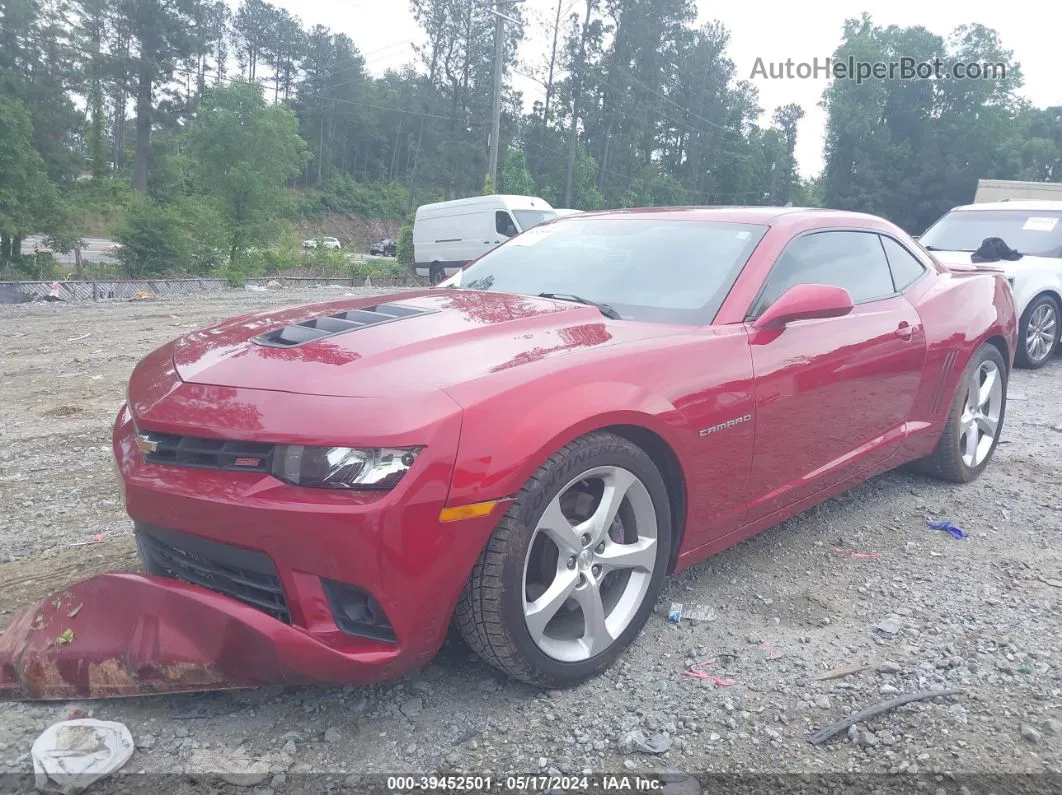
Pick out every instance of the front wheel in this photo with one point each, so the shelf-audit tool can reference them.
(974, 422)
(573, 569)
(1038, 332)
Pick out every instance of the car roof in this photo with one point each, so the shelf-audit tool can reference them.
(1020, 205)
(794, 217)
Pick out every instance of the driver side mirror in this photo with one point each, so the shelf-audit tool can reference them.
(805, 302)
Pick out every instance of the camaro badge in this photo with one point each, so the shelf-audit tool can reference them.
(728, 424)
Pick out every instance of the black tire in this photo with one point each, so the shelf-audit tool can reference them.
(945, 462)
(436, 273)
(490, 613)
(1023, 358)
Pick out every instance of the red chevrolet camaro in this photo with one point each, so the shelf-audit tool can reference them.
(320, 492)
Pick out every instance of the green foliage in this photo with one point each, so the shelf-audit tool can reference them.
(516, 179)
(912, 149)
(488, 186)
(404, 245)
(243, 152)
(155, 239)
(27, 198)
(341, 194)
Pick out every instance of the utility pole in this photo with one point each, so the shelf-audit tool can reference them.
(499, 48)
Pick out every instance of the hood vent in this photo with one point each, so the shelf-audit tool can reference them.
(328, 326)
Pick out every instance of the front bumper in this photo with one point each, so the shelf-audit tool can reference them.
(134, 634)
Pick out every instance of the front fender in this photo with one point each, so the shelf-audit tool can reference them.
(543, 421)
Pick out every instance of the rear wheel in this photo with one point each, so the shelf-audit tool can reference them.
(1038, 333)
(974, 422)
(571, 573)
(436, 273)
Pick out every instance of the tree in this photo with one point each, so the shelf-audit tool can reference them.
(165, 34)
(786, 119)
(244, 151)
(515, 176)
(27, 198)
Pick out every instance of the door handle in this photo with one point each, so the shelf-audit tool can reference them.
(904, 331)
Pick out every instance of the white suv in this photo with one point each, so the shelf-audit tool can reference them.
(1033, 228)
(325, 242)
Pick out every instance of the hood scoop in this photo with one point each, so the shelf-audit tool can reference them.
(320, 328)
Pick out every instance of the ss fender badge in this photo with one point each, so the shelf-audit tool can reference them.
(726, 425)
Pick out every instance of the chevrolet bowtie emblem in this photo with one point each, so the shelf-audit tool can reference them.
(146, 445)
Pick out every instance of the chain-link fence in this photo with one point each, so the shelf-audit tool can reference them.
(125, 289)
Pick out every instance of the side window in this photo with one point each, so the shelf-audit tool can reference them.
(852, 260)
(503, 223)
(906, 270)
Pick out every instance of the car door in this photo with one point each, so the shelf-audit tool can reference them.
(832, 396)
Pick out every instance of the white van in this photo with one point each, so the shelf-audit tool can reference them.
(447, 235)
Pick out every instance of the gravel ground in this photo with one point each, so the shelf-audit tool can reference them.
(858, 581)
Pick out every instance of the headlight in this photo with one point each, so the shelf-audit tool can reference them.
(342, 467)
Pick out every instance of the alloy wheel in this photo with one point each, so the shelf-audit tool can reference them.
(979, 423)
(1040, 332)
(589, 564)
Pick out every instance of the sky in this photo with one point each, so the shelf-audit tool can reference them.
(774, 30)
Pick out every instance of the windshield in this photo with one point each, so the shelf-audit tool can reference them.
(530, 218)
(645, 269)
(1034, 232)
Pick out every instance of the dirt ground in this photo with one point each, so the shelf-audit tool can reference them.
(859, 580)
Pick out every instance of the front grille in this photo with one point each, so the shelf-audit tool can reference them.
(328, 326)
(193, 451)
(246, 575)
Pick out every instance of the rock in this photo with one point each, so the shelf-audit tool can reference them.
(542, 762)
(289, 748)
(412, 707)
(889, 690)
(890, 626)
(755, 638)
(1054, 726)
(1030, 734)
(332, 735)
(147, 742)
(822, 701)
(630, 764)
(868, 739)
(889, 667)
(636, 741)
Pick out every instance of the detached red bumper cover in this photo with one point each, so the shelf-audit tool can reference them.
(122, 634)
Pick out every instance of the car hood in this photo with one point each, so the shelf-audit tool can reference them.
(460, 336)
(1011, 268)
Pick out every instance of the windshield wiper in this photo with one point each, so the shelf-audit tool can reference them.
(957, 250)
(604, 309)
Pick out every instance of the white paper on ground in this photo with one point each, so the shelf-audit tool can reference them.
(71, 755)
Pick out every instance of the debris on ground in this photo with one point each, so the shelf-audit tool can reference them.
(700, 671)
(1049, 581)
(832, 730)
(860, 555)
(255, 288)
(700, 613)
(843, 671)
(674, 615)
(71, 755)
(948, 527)
(636, 741)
